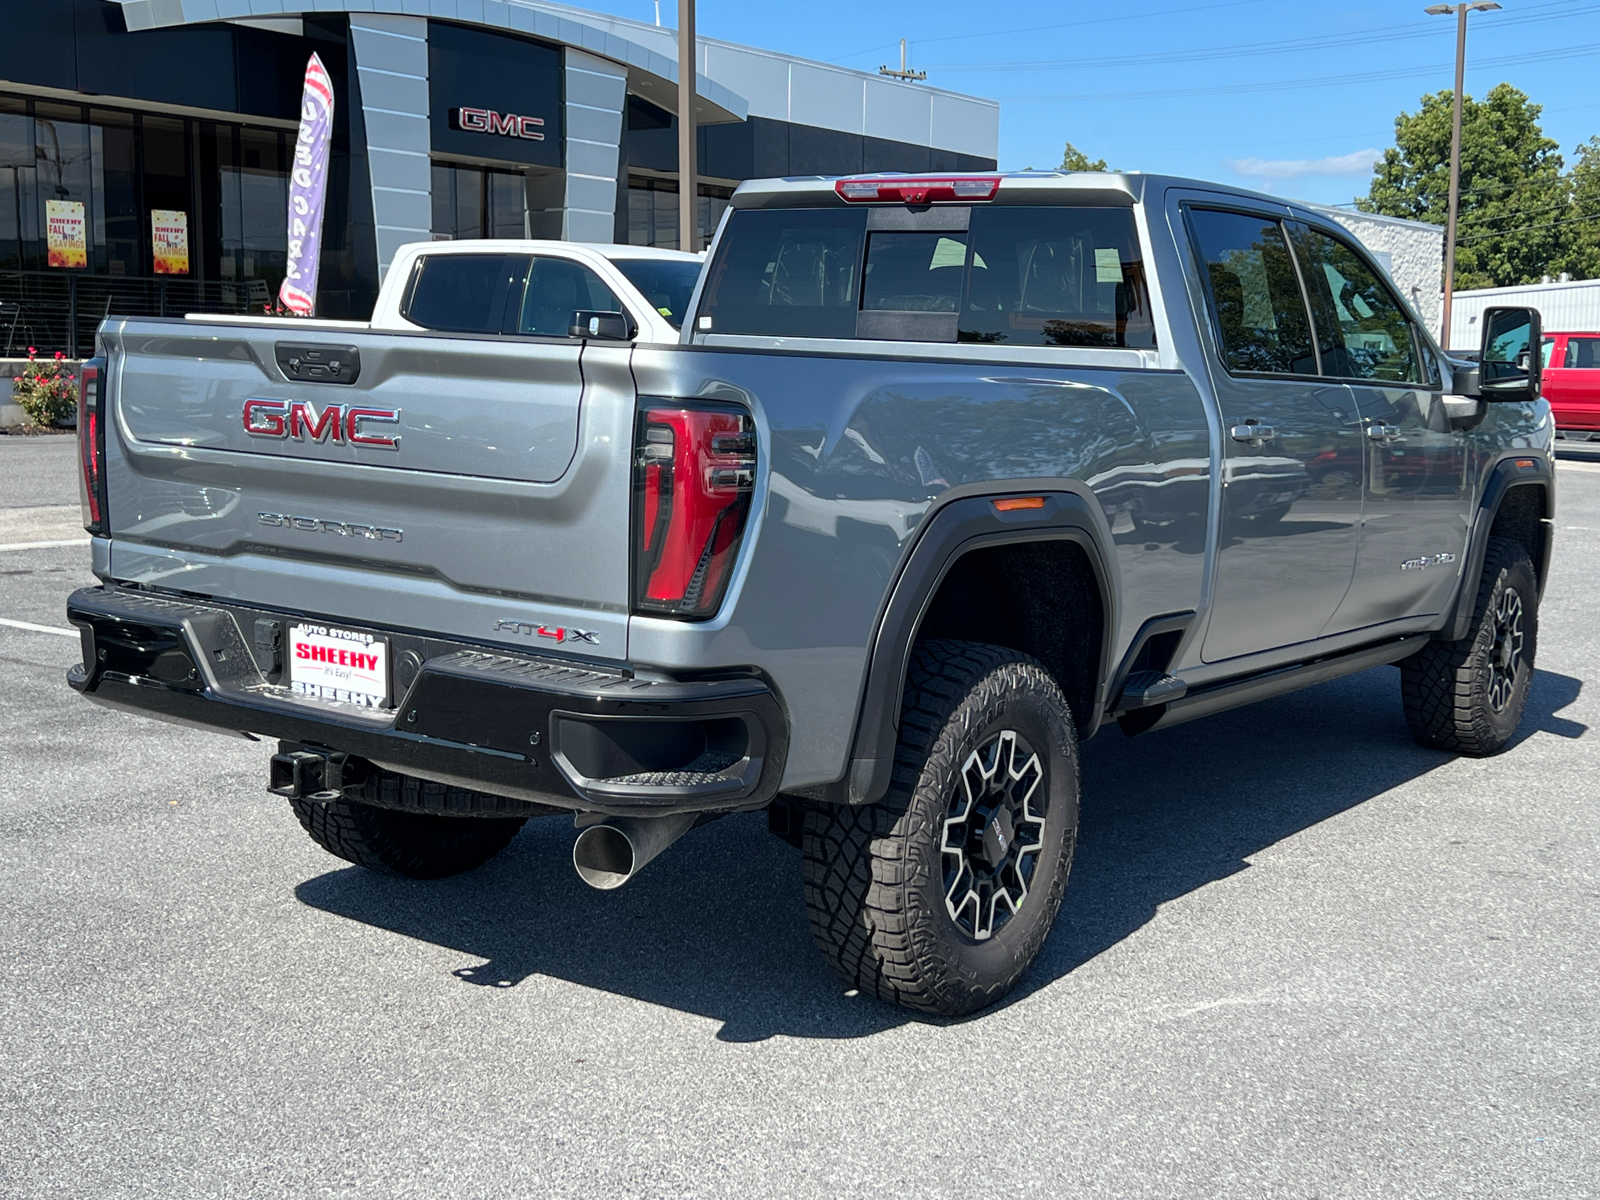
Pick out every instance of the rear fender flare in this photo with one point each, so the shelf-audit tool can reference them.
(966, 520)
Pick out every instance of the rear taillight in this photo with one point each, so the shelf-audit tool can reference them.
(694, 472)
(92, 447)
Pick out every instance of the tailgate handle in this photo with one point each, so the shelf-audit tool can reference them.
(317, 362)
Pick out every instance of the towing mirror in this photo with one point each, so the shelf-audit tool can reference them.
(611, 326)
(1510, 367)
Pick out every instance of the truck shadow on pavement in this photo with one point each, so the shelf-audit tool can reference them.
(717, 926)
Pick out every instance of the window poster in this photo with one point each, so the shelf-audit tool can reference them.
(66, 238)
(169, 239)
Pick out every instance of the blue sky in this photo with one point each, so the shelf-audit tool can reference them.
(1289, 96)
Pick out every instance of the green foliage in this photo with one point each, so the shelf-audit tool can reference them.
(1515, 222)
(47, 391)
(1073, 159)
(1583, 250)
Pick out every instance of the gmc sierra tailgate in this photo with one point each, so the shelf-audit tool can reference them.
(468, 487)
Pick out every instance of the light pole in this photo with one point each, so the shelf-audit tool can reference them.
(688, 232)
(1460, 11)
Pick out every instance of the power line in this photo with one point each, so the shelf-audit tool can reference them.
(1386, 34)
(1526, 229)
(1283, 85)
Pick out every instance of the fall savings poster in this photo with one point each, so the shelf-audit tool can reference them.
(169, 237)
(66, 239)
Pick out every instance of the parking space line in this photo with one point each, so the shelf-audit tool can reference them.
(32, 628)
(4, 546)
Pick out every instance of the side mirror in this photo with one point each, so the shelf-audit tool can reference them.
(609, 326)
(1510, 367)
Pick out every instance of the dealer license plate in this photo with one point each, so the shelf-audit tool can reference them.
(339, 664)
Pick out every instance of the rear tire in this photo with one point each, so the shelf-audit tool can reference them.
(1468, 696)
(941, 896)
(403, 833)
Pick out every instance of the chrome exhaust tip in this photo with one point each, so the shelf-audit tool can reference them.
(608, 854)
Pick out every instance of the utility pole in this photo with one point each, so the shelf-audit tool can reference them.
(1460, 11)
(902, 73)
(688, 166)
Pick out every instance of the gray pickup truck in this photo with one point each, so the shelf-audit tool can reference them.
(942, 475)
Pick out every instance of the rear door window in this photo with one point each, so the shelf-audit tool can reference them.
(786, 272)
(1583, 353)
(1254, 294)
(1056, 277)
(466, 293)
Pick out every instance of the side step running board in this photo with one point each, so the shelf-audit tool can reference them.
(1188, 704)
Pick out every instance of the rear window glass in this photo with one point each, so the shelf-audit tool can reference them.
(1026, 276)
(914, 272)
(787, 272)
(1056, 277)
(666, 284)
(466, 293)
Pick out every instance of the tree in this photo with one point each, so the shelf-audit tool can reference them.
(1582, 258)
(1512, 188)
(1073, 159)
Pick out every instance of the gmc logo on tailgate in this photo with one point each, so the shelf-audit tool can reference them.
(299, 419)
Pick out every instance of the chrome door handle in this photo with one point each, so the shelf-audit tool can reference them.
(1383, 434)
(1253, 434)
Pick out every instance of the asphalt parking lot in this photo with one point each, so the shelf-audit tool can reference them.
(1300, 957)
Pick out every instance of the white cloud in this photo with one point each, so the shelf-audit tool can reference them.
(1358, 163)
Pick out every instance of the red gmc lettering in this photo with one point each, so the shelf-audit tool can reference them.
(264, 418)
(300, 419)
(303, 416)
(352, 426)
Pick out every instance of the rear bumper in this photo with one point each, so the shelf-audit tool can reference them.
(555, 732)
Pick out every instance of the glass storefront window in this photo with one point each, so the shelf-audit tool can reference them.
(119, 235)
(109, 176)
(653, 211)
(254, 178)
(478, 202)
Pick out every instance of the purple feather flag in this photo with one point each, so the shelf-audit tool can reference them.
(308, 185)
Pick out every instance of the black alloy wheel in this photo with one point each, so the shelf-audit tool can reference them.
(1505, 652)
(993, 834)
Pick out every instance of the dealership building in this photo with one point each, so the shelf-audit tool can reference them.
(152, 140)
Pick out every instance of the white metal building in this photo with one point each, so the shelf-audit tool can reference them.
(1564, 307)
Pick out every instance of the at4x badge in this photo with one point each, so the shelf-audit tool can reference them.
(556, 633)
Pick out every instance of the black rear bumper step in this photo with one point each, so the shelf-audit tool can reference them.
(570, 735)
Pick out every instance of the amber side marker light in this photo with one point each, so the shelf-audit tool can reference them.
(1013, 503)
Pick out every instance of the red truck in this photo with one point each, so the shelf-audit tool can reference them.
(1572, 383)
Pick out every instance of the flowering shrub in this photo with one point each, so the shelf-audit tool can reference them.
(47, 391)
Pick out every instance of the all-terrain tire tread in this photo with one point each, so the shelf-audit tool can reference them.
(854, 856)
(1442, 687)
